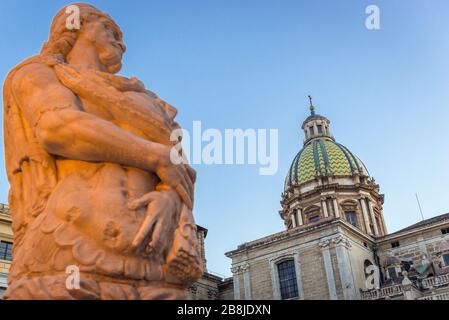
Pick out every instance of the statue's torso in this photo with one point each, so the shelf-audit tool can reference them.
(87, 222)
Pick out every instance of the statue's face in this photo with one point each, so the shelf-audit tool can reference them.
(106, 38)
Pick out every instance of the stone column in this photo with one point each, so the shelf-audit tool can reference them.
(324, 206)
(275, 281)
(246, 281)
(384, 226)
(373, 217)
(298, 276)
(336, 210)
(365, 215)
(299, 216)
(236, 282)
(342, 245)
(293, 218)
(315, 129)
(328, 269)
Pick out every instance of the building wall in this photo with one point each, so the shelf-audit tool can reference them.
(329, 261)
(206, 288)
(226, 289)
(5, 235)
(415, 245)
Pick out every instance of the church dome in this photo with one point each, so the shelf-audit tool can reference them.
(324, 157)
(321, 155)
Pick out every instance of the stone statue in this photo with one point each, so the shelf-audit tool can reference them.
(92, 186)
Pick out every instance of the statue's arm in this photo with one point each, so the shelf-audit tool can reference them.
(64, 129)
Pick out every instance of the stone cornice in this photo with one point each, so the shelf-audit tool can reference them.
(403, 234)
(334, 187)
(5, 219)
(298, 232)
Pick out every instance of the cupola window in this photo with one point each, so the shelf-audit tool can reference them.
(320, 129)
(351, 218)
(311, 131)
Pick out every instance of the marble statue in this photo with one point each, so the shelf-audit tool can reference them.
(92, 186)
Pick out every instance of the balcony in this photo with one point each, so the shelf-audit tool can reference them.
(440, 296)
(383, 293)
(435, 282)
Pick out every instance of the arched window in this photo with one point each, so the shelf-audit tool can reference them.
(288, 284)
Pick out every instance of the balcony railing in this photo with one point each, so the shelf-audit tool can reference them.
(441, 296)
(435, 282)
(382, 293)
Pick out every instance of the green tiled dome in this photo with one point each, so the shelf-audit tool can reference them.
(322, 157)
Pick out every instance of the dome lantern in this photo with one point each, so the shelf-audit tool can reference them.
(316, 126)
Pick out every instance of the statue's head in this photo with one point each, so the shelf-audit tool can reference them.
(95, 28)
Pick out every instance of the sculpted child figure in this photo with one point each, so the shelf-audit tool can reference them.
(92, 184)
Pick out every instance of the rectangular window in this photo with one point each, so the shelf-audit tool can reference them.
(287, 279)
(314, 219)
(445, 231)
(446, 259)
(2, 290)
(392, 273)
(320, 129)
(395, 244)
(5, 250)
(351, 218)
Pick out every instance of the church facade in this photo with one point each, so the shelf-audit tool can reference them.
(336, 245)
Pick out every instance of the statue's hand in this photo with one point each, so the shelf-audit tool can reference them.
(181, 177)
(160, 222)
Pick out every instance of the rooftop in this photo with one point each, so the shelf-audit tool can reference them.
(424, 223)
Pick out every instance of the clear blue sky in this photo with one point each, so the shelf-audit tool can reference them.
(251, 64)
